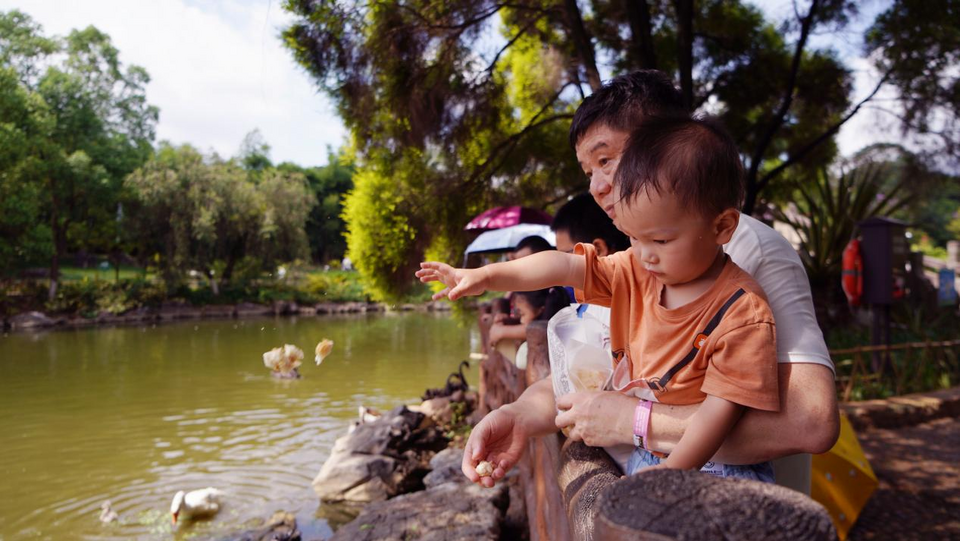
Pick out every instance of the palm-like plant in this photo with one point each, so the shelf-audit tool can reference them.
(825, 216)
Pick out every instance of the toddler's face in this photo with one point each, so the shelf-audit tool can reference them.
(676, 245)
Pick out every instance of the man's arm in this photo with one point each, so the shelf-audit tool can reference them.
(537, 271)
(502, 436)
(808, 420)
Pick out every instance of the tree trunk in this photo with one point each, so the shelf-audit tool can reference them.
(753, 173)
(644, 55)
(580, 38)
(58, 230)
(684, 9)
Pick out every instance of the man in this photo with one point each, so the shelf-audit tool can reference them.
(808, 420)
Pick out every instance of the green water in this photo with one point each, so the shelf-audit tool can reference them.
(133, 414)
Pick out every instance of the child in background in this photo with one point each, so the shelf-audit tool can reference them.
(687, 325)
(539, 305)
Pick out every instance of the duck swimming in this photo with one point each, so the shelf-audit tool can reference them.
(196, 503)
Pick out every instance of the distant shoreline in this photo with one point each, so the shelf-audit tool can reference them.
(182, 311)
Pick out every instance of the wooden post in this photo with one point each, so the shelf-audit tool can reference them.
(674, 504)
(545, 508)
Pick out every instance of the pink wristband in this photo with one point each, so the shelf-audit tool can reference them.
(641, 423)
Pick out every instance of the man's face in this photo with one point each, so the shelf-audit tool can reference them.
(598, 152)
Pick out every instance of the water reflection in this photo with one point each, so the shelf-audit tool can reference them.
(134, 414)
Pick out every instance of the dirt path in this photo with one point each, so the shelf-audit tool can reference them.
(919, 472)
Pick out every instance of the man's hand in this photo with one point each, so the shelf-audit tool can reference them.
(500, 438)
(459, 282)
(597, 418)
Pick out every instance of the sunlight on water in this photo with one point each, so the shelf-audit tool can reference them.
(133, 414)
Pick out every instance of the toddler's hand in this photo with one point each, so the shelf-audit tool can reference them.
(459, 282)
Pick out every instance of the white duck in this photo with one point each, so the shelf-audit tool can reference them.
(107, 515)
(196, 503)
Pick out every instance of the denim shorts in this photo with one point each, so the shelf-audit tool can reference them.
(763, 471)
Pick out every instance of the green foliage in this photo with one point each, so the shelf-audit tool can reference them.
(908, 371)
(380, 238)
(325, 227)
(335, 286)
(84, 124)
(446, 122)
(206, 214)
(825, 217)
(916, 43)
(90, 297)
(828, 211)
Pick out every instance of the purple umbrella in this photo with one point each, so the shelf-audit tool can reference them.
(500, 217)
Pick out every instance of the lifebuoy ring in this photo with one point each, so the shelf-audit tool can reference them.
(852, 276)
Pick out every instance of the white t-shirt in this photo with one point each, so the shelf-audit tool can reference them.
(773, 262)
(775, 265)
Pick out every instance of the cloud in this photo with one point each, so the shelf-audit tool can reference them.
(218, 70)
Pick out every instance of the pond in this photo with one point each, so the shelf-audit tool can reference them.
(133, 414)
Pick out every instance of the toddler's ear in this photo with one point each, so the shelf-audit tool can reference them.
(725, 224)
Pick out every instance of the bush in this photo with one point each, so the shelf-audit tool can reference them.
(335, 286)
(90, 297)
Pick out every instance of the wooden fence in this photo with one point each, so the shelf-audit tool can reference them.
(905, 368)
(571, 490)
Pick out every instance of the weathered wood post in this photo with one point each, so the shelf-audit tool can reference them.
(546, 512)
(672, 504)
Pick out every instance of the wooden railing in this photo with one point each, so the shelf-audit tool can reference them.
(572, 491)
(906, 368)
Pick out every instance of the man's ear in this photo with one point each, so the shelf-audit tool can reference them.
(725, 224)
(601, 245)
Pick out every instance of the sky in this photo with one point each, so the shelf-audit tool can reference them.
(218, 71)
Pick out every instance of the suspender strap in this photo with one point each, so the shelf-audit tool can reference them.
(711, 326)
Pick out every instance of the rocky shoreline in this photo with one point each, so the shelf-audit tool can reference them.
(398, 477)
(174, 311)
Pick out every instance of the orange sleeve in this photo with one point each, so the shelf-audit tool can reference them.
(742, 367)
(599, 275)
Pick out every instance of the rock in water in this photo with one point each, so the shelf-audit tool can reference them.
(379, 460)
(444, 512)
(281, 527)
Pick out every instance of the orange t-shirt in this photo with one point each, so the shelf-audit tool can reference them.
(736, 362)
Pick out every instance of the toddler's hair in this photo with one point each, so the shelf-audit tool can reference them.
(552, 300)
(693, 158)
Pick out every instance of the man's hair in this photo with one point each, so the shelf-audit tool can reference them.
(536, 243)
(693, 158)
(584, 220)
(623, 102)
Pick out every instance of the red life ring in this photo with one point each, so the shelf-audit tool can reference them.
(852, 276)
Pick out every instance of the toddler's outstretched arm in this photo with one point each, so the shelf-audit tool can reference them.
(537, 271)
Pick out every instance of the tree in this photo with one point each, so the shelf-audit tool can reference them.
(101, 129)
(24, 126)
(255, 152)
(325, 228)
(196, 212)
(430, 94)
(469, 130)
